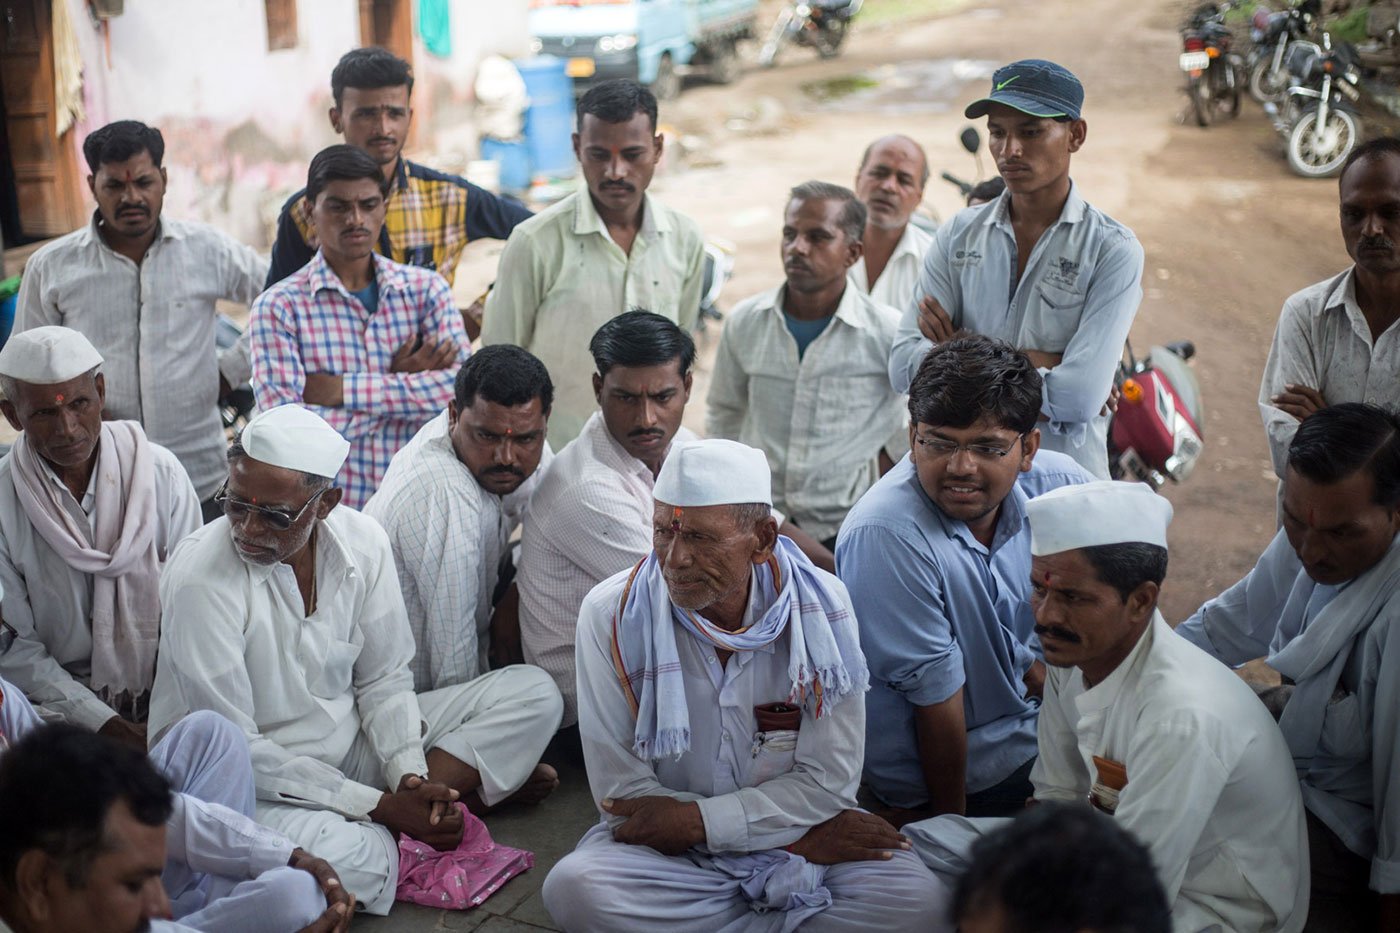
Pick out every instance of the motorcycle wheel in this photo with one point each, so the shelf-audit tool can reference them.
(1310, 159)
(1264, 84)
(667, 84)
(1228, 97)
(830, 37)
(1198, 89)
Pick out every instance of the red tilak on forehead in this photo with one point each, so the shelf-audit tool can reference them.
(58, 398)
(676, 513)
(129, 177)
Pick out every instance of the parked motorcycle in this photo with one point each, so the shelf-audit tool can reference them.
(1272, 33)
(1214, 73)
(1156, 434)
(815, 24)
(1381, 50)
(1319, 120)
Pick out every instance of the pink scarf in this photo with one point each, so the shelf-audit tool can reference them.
(118, 551)
(462, 878)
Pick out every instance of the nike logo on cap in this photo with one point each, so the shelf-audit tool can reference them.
(1007, 81)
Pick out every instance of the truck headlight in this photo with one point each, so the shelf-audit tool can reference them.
(619, 43)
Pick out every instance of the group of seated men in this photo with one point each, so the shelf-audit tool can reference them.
(814, 661)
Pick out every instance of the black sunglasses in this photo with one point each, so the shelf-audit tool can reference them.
(279, 519)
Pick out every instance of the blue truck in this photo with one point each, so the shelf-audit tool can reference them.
(656, 42)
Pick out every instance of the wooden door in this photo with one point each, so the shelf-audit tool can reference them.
(45, 167)
(388, 24)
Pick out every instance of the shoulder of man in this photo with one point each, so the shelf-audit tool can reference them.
(56, 251)
(603, 601)
(558, 216)
(1050, 470)
(892, 505)
(1109, 232)
(362, 536)
(1311, 301)
(748, 312)
(683, 224)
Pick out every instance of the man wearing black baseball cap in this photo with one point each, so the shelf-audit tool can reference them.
(1075, 273)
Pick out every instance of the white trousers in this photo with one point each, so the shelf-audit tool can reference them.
(611, 887)
(498, 723)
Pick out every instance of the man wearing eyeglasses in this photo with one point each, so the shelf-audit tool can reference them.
(89, 509)
(937, 557)
(285, 617)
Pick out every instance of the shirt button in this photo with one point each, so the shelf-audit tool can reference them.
(724, 736)
(710, 659)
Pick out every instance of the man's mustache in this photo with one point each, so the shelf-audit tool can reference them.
(505, 471)
(646, 432)
(619, 185)
(1063, 634)
(1377, 242)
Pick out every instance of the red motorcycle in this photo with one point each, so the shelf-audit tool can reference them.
(1157, 432)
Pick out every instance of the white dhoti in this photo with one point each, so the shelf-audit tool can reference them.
(944, 843)
(206, 757)
(498, 723)
(613, 887)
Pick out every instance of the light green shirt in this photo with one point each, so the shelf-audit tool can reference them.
(562, 277)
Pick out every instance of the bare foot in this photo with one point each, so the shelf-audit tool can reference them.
(539, 785)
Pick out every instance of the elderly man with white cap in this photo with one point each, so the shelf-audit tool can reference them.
(89, 509)
(1148, 728)
(721, 712)
(286, 618)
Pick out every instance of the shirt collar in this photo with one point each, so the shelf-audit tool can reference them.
(908, 243)
(1342, 296)
(1106, 692)
(587, 220)
(333, 559)
(320, 276)
(852, 310)
(614, 454)
(401, 175)
(165, 230)
(1011, 521)
(1071, 213)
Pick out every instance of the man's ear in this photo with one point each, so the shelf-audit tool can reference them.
(329, 500)
(92, 185)
(577, 154)
(1078, 132)
(689, 379)
(334, 116)
(767, 532)
(854, 250)
(452, 412)
(12, 416)
(1031, 444)
(1143, 600)
(598, 389)
(33, 876)
(100, 381)
(658, 143)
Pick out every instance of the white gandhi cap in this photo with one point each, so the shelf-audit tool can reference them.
(1094, 514)
(48, 355)
(295, 438)
(714, 472)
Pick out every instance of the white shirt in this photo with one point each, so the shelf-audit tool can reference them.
(899, 282)
(1323, 341)
(752, 796)
(562, 277)
(49, 604)
(822, 420)
(154, 325)
(589, 519)
(235, 639)
(449, 537)
(1211, 789)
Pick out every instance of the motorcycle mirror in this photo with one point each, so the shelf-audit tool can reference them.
(971, 139)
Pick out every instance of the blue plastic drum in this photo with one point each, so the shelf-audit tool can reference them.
(549, 121)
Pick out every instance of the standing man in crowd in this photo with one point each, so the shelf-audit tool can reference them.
(721, 702)
(142, 288)
(1323, 605)
(801, 369)
(430, 215)
(1074, 272)
(890, 183)
(446, 503)
(1147, 728)
(597, 253)
(371, 343)
(937, 556)
(89, 511)
(285, 617)
(1339, 341)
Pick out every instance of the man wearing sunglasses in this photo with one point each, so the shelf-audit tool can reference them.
(89, 510)
(937, 557)
(286, 618)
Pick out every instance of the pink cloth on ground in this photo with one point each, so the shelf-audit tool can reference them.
(462, 878)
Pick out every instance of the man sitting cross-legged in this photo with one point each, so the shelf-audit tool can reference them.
(1142, 725)
(286, 618)
(721, 710)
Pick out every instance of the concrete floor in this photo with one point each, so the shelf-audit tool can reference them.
(549, 830)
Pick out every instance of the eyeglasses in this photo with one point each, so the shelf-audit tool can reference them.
(941, 448)
(279, 519)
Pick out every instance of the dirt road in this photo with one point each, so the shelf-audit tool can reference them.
(1228, 231)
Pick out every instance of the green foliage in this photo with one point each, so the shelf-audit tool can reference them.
(1350, 26)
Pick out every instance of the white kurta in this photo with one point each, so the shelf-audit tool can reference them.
(1211, 790)
(900, 278)
(752, 795)
(449, 538)
(590, 517)
(326, 701)
(49, 604)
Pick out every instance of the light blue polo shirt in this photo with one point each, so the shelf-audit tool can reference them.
(937, 611)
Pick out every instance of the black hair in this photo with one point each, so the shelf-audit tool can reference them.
(1061, 867)
(616, 101)
(342, 163)
(505, 374)
(988, 190)
(58, 784)
(1376, 148)
(973, 378)
(1340, 440)
(119, 141)
(1125, 567)
(640, 338)
(865, 157)
(853, 213)
(368, 68)
(236, 452)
